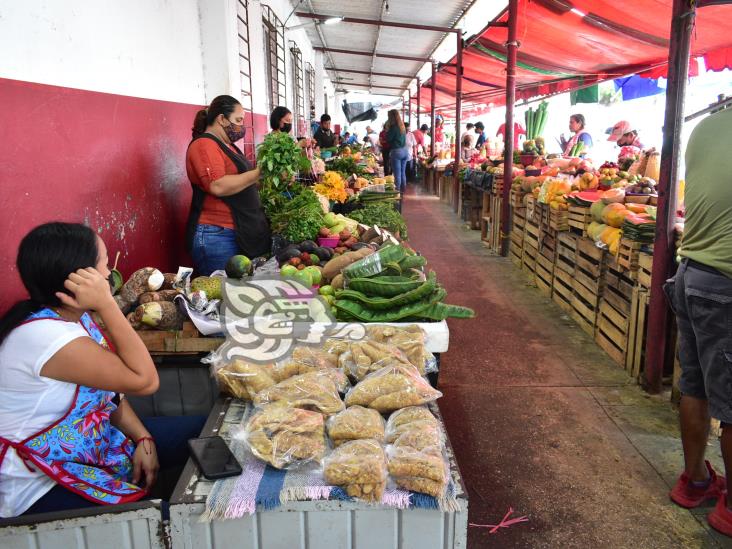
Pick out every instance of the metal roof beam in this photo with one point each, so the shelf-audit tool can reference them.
(371, 54)
(378, 23)
(367, 85)
(371, 73)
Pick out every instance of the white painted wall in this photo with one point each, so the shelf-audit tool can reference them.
(183, 50)
(141, 48)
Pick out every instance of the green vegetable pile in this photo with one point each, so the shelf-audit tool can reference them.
(374, 294)
(382, 214)
(300, 218)
(279, 158)
(347, 166)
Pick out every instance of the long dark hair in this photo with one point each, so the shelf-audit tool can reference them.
(223, 104)
(276, 117)
(46, 257)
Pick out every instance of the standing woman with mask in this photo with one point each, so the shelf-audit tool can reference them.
(226, 216)
(281, 120)
(396, 137)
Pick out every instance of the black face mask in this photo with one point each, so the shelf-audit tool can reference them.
(287, 128)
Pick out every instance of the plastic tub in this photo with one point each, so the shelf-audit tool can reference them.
(328, 241)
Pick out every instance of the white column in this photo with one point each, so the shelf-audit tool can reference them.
(258, 61)
(220, 47)
(319, 77)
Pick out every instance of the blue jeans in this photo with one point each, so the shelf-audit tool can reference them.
(171, 436)
(398, 158)
(212, 248)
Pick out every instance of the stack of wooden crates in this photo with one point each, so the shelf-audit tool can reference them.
(607, 296)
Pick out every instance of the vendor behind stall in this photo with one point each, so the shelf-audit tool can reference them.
(625, 135)
(67, 440)
(324, 137)
(226, 217)
(280, 120)
(577, 127)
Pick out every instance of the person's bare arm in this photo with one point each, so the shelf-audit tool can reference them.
(84, 362)
(232, 184)
(145, 460)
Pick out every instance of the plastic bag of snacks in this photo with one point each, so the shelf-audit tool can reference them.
(284, 436)
(366, 357)
(360, 467)
(243, 379)
(392, 388)
(411, 340)
(313, 391)
(355, 423)
(304, 359)
(416, 462)
(407, 419)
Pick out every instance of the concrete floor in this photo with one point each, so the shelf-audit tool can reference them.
(541, 419)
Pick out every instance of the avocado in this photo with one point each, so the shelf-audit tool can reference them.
(287, 254)
(238, 266)
(308, 246)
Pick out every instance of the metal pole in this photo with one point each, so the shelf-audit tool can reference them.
(432, 108)
(409, 106)
(659, 316)
(419, 101)
(511, 47)
(458, 115)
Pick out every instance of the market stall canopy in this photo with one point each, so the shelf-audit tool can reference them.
(361, 54)
(565, 45)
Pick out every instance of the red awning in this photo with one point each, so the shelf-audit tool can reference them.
(566, 44)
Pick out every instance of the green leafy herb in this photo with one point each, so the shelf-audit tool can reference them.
(299, 218)
(279, 159)
(382, 214)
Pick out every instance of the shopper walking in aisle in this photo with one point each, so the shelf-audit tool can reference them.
(701, 296)
(324, 137)
(411, 145)
(385, 149)
(397, 139)
(480, 130)
(577, 127)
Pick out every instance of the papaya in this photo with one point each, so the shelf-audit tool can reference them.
(614, 215)
(596, 211)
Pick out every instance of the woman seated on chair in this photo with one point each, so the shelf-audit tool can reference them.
(66, 439)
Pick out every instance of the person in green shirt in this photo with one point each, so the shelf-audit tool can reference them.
(701, 296)
(396, 137)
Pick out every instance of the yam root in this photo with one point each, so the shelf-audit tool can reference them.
(147, 279)
(337, 264)
(161, 315)
(168, 281)
(160, 295)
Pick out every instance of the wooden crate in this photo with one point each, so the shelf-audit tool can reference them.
(566, 252)
(186, 340)
(532, 209)
(517, 236)
(515, 253)
(562, 289)
(645, 268)
(617, 286)
(544, 274)
(585, 302)
(517, 199)
(587, 284)
(612, 331)
(532, 234)
(497, 189)
(628, 253)
(636, 347)
(548, 244)
(495, 241)
(578, 219)
(544, 213)
(528, 258)
(559, 220)
(589, 265)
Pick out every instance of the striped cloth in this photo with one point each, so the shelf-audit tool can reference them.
(264, 487)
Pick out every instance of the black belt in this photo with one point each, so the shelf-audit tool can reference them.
(702, 267)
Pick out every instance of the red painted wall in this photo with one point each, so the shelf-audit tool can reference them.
(113, 162)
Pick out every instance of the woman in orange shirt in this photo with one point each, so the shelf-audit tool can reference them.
(226, 216)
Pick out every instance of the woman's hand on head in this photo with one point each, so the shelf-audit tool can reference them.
(89, 289)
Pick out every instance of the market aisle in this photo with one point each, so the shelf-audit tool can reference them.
(540, 419)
